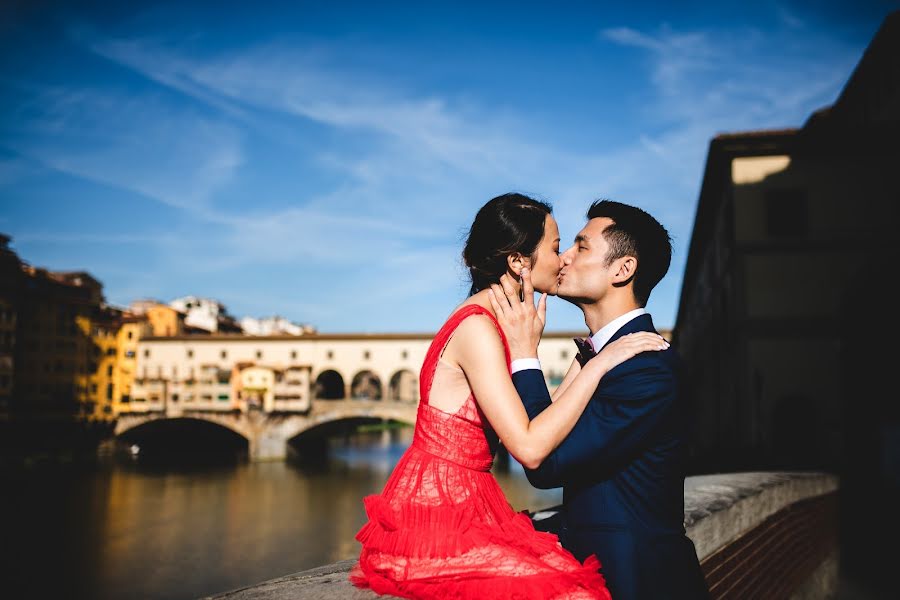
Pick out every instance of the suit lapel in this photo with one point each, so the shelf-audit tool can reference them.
(642, 322)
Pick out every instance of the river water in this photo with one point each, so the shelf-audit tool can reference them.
(120, 529)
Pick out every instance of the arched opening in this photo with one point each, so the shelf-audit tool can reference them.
(184, 441)
(330, 386)
(351, 442)
(366, 386)
(404, 387)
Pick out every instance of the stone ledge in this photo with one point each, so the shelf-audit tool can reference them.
(717, 509)
(322, 583)
(720, 508)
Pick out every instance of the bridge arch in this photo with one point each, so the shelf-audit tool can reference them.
(361, 413)
(129, 423)
(330, 386)
(366, 385)
(186, 437)
(404, 387)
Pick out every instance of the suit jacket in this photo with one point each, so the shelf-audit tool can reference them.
(622, 472)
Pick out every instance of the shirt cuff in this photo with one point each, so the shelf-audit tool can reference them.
(523, 364)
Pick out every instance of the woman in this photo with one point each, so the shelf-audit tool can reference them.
(442, 528)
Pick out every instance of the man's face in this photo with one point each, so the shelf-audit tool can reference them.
(585, 277)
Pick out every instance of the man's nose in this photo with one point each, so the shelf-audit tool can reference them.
(566, 257)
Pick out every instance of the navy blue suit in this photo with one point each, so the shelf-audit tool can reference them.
(622, 472)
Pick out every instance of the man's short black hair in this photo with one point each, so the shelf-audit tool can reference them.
(635, 233)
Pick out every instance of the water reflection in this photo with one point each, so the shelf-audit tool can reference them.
(124, 529)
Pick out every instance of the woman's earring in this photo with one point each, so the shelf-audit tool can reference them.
(521, 288)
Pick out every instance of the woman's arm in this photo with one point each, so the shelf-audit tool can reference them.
(614, 428)
(477, 348)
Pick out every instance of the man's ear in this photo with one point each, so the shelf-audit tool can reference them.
(625, 270)
(515, 262)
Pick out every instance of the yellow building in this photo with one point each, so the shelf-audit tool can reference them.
(164, 320)
(116, 334)
(102, 387)
(257, 388)
(132, 329)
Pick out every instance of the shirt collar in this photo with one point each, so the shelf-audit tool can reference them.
(600, 338)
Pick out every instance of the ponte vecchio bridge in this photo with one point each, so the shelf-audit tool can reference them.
(272, 389)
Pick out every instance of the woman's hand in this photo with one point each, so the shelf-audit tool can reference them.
(629, 346)
(522, 322)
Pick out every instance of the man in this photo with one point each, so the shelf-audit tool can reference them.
(622, 467)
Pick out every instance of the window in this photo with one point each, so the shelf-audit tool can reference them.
(110, 351)
(190, 354)
(129, 354)
(109, 391)
(146, 353)
(109, 371)
(224, 397)
(329, 354)
(293, 354)
(564, 354)
(367, 355)
(130, 334)
(223, 354)
(404, 355)
(259, 354)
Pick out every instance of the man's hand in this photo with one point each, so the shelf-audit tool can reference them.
(522, 322)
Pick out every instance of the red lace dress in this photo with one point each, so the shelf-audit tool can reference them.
(442, 528)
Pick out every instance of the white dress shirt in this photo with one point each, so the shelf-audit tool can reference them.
(598, 339)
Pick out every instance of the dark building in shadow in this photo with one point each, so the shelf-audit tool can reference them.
(48, 359)
(788, 308)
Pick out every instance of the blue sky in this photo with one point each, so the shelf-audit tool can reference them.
(322, 161)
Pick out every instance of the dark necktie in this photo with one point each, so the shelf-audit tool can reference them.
(585, 350)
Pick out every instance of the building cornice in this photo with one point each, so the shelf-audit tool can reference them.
(327, 337)
(323, 337)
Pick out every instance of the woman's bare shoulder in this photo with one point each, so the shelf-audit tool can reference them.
(476, 335)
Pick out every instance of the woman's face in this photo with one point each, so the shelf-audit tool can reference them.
(545, 262)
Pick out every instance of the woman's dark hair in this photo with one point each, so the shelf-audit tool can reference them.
(506, 224)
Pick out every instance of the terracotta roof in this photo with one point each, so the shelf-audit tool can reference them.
(757, 133)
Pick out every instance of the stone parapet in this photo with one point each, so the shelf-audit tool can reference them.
(769, 534)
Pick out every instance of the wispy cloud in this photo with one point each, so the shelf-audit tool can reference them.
(136, 143)
(388, 175)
